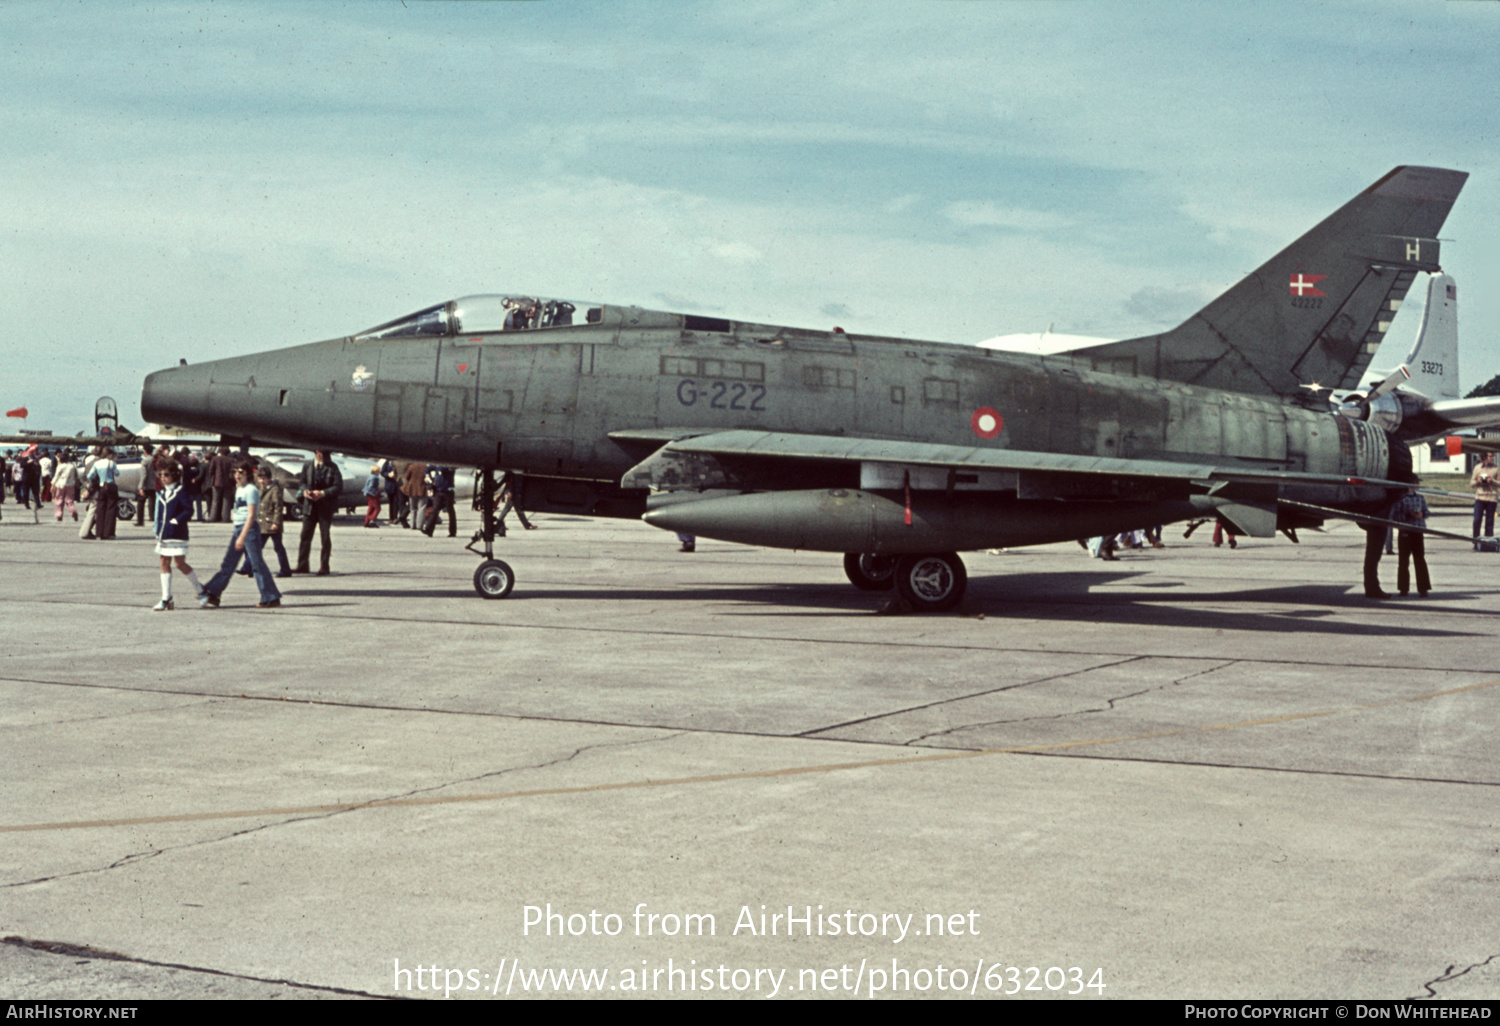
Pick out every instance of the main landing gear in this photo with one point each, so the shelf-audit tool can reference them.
(869, 572)
(930, 582)
(494, 578)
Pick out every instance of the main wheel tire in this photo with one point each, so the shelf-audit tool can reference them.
(931, 582)
(869, 572)
(494, 579)
(125, 510)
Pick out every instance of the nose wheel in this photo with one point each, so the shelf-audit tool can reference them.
(494, 579)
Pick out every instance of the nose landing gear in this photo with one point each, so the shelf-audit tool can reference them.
(494, 578)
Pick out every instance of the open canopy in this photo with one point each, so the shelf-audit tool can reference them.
(483, 314)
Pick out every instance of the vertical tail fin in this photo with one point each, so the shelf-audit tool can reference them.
(1433, 360)
(1314, 313)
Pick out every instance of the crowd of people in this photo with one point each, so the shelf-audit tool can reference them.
(1403, 522)
(182, 487)
(37, 478)
(179, 488)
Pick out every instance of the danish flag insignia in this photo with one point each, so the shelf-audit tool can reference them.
(1303, 284)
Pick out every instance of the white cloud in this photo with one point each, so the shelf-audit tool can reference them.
(984, 214)
(737, 253)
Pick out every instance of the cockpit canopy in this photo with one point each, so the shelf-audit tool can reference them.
(484, 314)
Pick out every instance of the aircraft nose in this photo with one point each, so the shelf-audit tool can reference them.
(171, 397)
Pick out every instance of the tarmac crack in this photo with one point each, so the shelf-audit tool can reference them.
(1108, 707)
(133, 857)
(372, 803)
(1449, 976)
(206, 700)
(964, 698)
(89, 952)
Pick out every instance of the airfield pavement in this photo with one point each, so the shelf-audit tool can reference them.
(1201, 772)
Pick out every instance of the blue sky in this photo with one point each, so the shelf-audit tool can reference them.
(203, 180)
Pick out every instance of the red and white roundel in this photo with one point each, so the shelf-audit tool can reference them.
(986, 422)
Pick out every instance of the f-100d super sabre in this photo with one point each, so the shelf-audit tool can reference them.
(897, 453)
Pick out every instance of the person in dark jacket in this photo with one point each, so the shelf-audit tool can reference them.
(221, 481)
(145, 499)
(192, 480)
(321, 485)
(394, 473)
(269, 516)
(1374, 548)
(173, 511)
(1412, 511)
(33, 474)
(441, 479)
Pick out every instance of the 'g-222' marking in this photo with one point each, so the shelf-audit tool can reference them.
(723, 395)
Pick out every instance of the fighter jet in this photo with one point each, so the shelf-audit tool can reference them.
(896, 452)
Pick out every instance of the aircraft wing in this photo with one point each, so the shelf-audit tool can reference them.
(122, 439)
(720, 462)
(776, 445)
(1459, 444)
(1421, 420)
(1482, 412)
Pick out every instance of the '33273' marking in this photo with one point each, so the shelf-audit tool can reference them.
(723, 395)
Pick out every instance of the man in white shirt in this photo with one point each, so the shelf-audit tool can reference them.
(105, 474)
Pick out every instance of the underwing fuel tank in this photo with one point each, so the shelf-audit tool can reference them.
(852, 520)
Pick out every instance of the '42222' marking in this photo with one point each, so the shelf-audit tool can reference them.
(723, 395)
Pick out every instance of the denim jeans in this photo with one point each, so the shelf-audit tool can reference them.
(1484, 511)
(232, 555)
(274, 537)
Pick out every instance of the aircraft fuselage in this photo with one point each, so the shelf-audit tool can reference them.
(546, 402)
